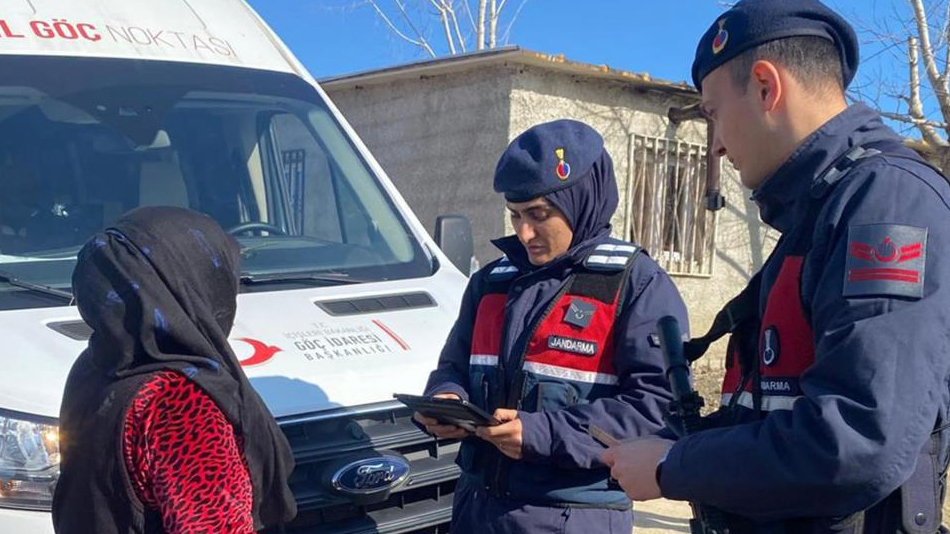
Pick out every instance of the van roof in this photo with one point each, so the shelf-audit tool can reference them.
(220, 32)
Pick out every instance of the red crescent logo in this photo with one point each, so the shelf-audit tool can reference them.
(262, 352)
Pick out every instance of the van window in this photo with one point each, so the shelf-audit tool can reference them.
(85, 140)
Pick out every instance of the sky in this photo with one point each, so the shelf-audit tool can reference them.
(333, 37)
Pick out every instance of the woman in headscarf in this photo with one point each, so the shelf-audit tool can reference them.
(160, 430)
(555, 338)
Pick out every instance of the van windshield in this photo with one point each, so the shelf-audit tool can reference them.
(84, 140)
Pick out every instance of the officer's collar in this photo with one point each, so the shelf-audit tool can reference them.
(782, 199)
(518, 256)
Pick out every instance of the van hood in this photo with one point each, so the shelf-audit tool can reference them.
(301, 355)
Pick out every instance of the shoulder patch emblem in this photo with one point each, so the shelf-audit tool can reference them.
(503, 270)
(611, 257)
(885, 260)
(579, 313)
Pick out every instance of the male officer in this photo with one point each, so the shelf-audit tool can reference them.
(837, 382)
(554, 337)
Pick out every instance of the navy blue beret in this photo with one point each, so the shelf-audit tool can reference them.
(751, 23)
(548, 157)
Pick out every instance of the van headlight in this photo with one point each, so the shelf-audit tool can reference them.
(29, 460)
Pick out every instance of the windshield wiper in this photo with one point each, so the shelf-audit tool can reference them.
(326, 278)
(246, 251)
(38, 288)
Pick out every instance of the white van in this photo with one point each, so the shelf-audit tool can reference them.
(114, 104)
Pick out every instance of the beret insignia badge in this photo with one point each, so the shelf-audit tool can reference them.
(719, 43)
(563, 168)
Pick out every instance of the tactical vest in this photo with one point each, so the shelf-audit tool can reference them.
(769, 351)
(567, 360)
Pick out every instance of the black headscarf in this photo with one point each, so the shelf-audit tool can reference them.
(159, 289)
(590, 203)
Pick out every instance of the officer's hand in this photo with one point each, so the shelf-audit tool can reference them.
(506, 436)
(633, 465)
(437, 429)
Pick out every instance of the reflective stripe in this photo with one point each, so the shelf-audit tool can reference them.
(630, 249)
(502, 270)
(769, 402)
(611, 257)
(489, 360)
(567, 373)
(608, 260)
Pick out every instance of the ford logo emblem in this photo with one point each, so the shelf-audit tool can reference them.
(370, 475)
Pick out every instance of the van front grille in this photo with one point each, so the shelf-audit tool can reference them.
(422, 504)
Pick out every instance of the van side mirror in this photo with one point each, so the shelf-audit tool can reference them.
(453, 234)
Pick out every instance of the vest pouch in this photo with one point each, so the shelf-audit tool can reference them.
(466, 456)
(479, 392)
(920, 496)
(547, 395)
(472, 451)
(554, 396)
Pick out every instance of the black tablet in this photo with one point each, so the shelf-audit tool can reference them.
(456, 412)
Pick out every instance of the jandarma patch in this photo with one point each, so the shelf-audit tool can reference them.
(885, 260)
(576, 346)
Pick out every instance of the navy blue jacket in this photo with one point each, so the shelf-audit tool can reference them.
(559, 438)
(878, 386)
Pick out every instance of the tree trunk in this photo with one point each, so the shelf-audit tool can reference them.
(493, 24)
(480, 30)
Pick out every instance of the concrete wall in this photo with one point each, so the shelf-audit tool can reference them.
(438, 138)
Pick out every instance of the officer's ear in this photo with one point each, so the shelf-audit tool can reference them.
(766, 84)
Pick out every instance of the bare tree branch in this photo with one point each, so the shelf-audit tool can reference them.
(880, 34)
(422, 39)
(409, 20)
(444, 16)
(945, 35)
(450, 7)
(480, 29)
(914, 103)
(471, 18)
(511, 22)
(420, 43)
(492, 23)
(937, 82)
(915, 122)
